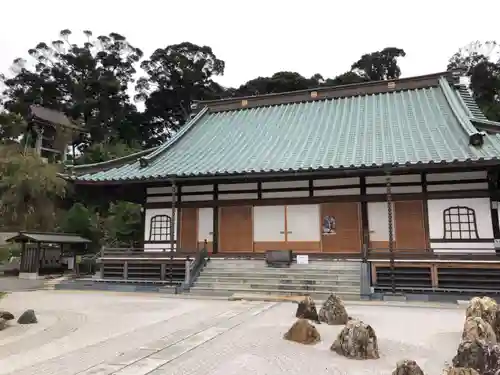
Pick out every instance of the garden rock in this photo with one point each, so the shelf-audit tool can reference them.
(460, 371)
(6, 315)
(485, 308)
(27, 317)
(303, 332)
(357, 340)
(333, 311)
(407, 367)
(476, 328)
(307, 310)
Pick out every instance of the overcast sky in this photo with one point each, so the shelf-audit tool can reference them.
(260, 37)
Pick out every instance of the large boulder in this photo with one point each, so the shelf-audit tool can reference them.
(470, 354)
(476, 328)
(460, 371)
(307, 310)
(3, 324)
(6, 315)
(27, 317)
(478, 355)
(303, 332)
(333, 311)
(357, 340)
(482, 307)
(407, 367)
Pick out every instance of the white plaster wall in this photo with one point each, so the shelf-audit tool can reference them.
(481, 206)
(284, 194)
(337, 192)
(398, 179)
(158, 247)
(167, 190)
(303, 222)
(337, 181)
(205, 224)
(457, 176)
(197, 197)
(233, 187)
(149, 213)
(378, 221)
(285, 184)
(268, 223)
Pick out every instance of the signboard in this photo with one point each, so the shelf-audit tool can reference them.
(78, 259)
(302, 259)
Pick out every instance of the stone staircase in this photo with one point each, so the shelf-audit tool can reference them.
(225, 277)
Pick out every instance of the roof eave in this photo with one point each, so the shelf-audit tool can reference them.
(375, 169)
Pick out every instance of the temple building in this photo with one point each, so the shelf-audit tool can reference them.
(409, 165)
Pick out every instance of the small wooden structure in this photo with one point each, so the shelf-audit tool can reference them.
(41, 252)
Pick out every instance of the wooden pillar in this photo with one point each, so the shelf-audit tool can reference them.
(38, 251)
(365, 230)
(179, 220)
(425, 209)
(391, 230)
(173, 229)
(215, 236)
(492, 189)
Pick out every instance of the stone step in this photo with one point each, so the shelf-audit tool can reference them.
(280, 274)
(210, 292)
(218, 265)
(298, 279)
(280, 286)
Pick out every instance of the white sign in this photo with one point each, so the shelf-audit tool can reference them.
(302, 259)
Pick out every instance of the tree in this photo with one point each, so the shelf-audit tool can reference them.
(82, 221)
(176, 76)
(30, 190)
(481, 63)
(87, 82)
(123, 226)
(101, 152)
(12, 127)
(379, 65)
(279, 82)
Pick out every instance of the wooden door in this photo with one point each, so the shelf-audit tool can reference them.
(341, 227)
(205, 227)
(189, 229)
(269, 228)
(235, 229)
(409, 226)
(378, 225)
(302, 227)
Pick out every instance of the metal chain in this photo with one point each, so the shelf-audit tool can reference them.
(391, 230)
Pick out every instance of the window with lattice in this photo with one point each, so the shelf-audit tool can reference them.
(460, 223)
(159, 229)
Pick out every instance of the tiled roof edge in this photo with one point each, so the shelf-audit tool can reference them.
(110, 163)
(144, 161)
(325, 93)
(460, 113)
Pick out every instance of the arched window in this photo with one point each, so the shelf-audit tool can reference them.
(460, 223)
(159, 230)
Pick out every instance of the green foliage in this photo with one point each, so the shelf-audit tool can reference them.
(124, 225)
(481, 63)
(30, 190)
(100, 152)
(82, 221)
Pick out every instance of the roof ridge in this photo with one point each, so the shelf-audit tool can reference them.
(112, 161)
(144, 161)
(475, 136)
(329, 88)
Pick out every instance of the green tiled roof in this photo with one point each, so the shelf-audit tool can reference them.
(415, 126)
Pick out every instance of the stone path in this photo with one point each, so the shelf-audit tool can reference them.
(88, 333)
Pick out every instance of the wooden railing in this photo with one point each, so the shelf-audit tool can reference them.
(136, 265)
